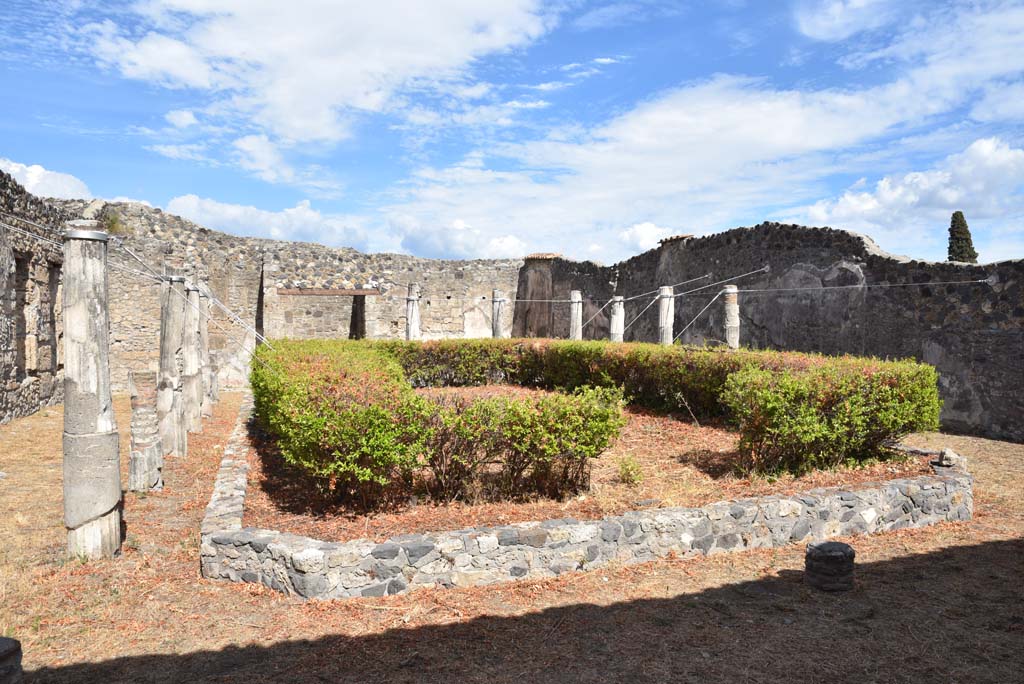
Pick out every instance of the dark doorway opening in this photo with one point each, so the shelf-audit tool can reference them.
(21, 271)
(357, 324)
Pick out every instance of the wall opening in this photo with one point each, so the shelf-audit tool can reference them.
(53, 287)
(259, 307)
(357, 323)
(21, 271)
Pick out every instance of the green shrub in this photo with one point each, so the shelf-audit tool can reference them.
(345, 411)
(346, 415)
(820, 417)
(630, 472)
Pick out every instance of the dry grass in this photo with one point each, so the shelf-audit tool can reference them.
(939, 604)
(681, 464)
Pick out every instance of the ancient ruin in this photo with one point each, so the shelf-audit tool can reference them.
(808, 289)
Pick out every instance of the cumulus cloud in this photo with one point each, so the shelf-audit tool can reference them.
(715, 153)
(641, 237)
(301, 222)
(983, 181)
(45, 183)
(301, 69)
(458, 240)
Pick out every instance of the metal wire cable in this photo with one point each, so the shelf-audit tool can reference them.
(763, 269)
(644, 294)
(699, 314)
(637, 318)
(25, 220)
(30, 234)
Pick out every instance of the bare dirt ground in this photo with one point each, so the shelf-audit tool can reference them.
(944, 604)
(681, 464)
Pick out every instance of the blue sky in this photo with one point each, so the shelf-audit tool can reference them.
(460, 128)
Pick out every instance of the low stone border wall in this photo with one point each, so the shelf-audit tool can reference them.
(316, 569)
(224, 512)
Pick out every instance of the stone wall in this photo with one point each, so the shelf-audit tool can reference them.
(973, 333)
(31, 366)
(249, 275)
(317, 569)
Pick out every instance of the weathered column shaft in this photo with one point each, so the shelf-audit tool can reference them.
(173, 435)
(497, 309)
(92, 463)
(146, 462)
(412, 313)
(191, 372)
(666, 314)
(206, 369)
(618, 319)
(730, 295)
(575, 315)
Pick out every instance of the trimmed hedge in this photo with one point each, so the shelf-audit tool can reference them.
(795, 411)
(346, 411)
(824, 416)
(345, 414)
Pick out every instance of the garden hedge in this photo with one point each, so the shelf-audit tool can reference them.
(344, 413)
(346, 410)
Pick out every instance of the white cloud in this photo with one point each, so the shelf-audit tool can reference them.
(641, 237)
(181, 118)
(835, 20)
(1002, 102)
(262, 156)
(713, 153)
(163, 60)
(457, 240)
(188, 151)
(983, 181)
(549, 86)
(615, 14)
(45, 183)
(301, 222)
(302, 69)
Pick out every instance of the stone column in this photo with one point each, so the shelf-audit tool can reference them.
(173, 435)
(497, 306)
(730, 296)
(206, 369)
(575, 315)
(192, 367)
(666, 314)
(412, 313)
(146, 462)
(92, 462)
(618, 319)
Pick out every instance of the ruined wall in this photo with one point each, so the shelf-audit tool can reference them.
(31, 366)
(546, 277)
(972, 333)
(250, 275)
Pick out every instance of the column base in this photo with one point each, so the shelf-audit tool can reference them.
(99, 538)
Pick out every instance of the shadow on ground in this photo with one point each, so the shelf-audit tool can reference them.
(951, 616)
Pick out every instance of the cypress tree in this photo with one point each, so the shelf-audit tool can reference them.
(961, 247)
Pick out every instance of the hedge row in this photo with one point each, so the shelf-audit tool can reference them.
(345, 413)
(795, 411)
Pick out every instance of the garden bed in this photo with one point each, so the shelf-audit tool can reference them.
(680, 464)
